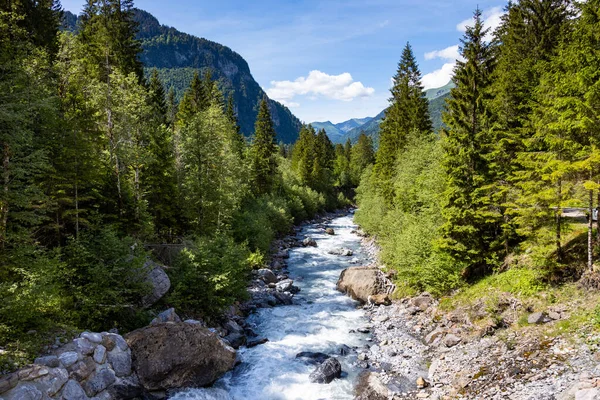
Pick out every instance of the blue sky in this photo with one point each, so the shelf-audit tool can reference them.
(328, 60)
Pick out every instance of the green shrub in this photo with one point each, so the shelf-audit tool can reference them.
(104, 274)
(209, 275)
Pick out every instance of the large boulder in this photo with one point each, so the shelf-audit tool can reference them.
(176, 355)
(158, 281)
(361, 282)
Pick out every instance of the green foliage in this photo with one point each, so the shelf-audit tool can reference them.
(408, 231)
(263, 161)
(408, 112)
(103, 273)
(261, 220)
(209, 275)
(470, 221)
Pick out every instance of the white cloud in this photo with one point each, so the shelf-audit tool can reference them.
(492, 18)
(317, 83)
(449, 53)
(439, 77)
(289, 104)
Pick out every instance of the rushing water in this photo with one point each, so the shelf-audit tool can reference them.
(320, 320)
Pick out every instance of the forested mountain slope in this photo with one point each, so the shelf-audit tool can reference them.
(178, 55)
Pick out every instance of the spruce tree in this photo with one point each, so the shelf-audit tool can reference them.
(468, 231)
(408, 112)
(303, 154)
(157, 98)
(567, 122)
(529, 34)
(263, 151)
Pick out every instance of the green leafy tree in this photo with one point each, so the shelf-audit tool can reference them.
(362, 155)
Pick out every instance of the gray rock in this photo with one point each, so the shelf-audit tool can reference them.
(233, 327)
(267, 275)
(537, 318)
(100, 354)
(110, 340)
(120, 361)
(326, 372)
(92, 337)
(588, 394)
(126, 388)
(341, 252)
(48, 361)
(24, 392)
(99, 381)
(166, 316)
(82, 369)
(309, 242)
(33, 372)
(236, 340)
(553, 315)
(73, 391)
(84, 346)
(283, 298)
(451, 340)
(195, 322)
(330, 231)
(433, 335)
(285, 285)
(8, 382)
(55, 380)
(158, 281)
(68, 358)
(422, 302)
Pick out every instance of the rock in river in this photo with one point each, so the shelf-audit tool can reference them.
(327, 371)
(361, 282)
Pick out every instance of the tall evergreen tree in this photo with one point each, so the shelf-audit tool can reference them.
(263, 150)
(408, 112)
(468, 231)
(528, 37)
(157, 98)
(567, 122)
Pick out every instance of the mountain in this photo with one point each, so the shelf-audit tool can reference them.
(177, 55)
(435, 93)
(437, 103)
(338, 132)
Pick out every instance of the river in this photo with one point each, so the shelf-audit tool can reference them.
(320, 320)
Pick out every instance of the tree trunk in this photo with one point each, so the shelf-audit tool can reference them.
(590, 243)
(598, 220)
(4, 203)
(558, 222)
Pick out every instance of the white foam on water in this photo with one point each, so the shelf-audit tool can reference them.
(319, 321)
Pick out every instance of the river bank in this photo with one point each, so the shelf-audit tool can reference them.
(422, 350)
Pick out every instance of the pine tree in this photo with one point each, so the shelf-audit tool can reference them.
(470, 226)
(408, 112)
(529, 34)
(157, 98)
(232, 116)
(567, 122)
(263, 151)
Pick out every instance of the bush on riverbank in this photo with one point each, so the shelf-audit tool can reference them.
(408, 230)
